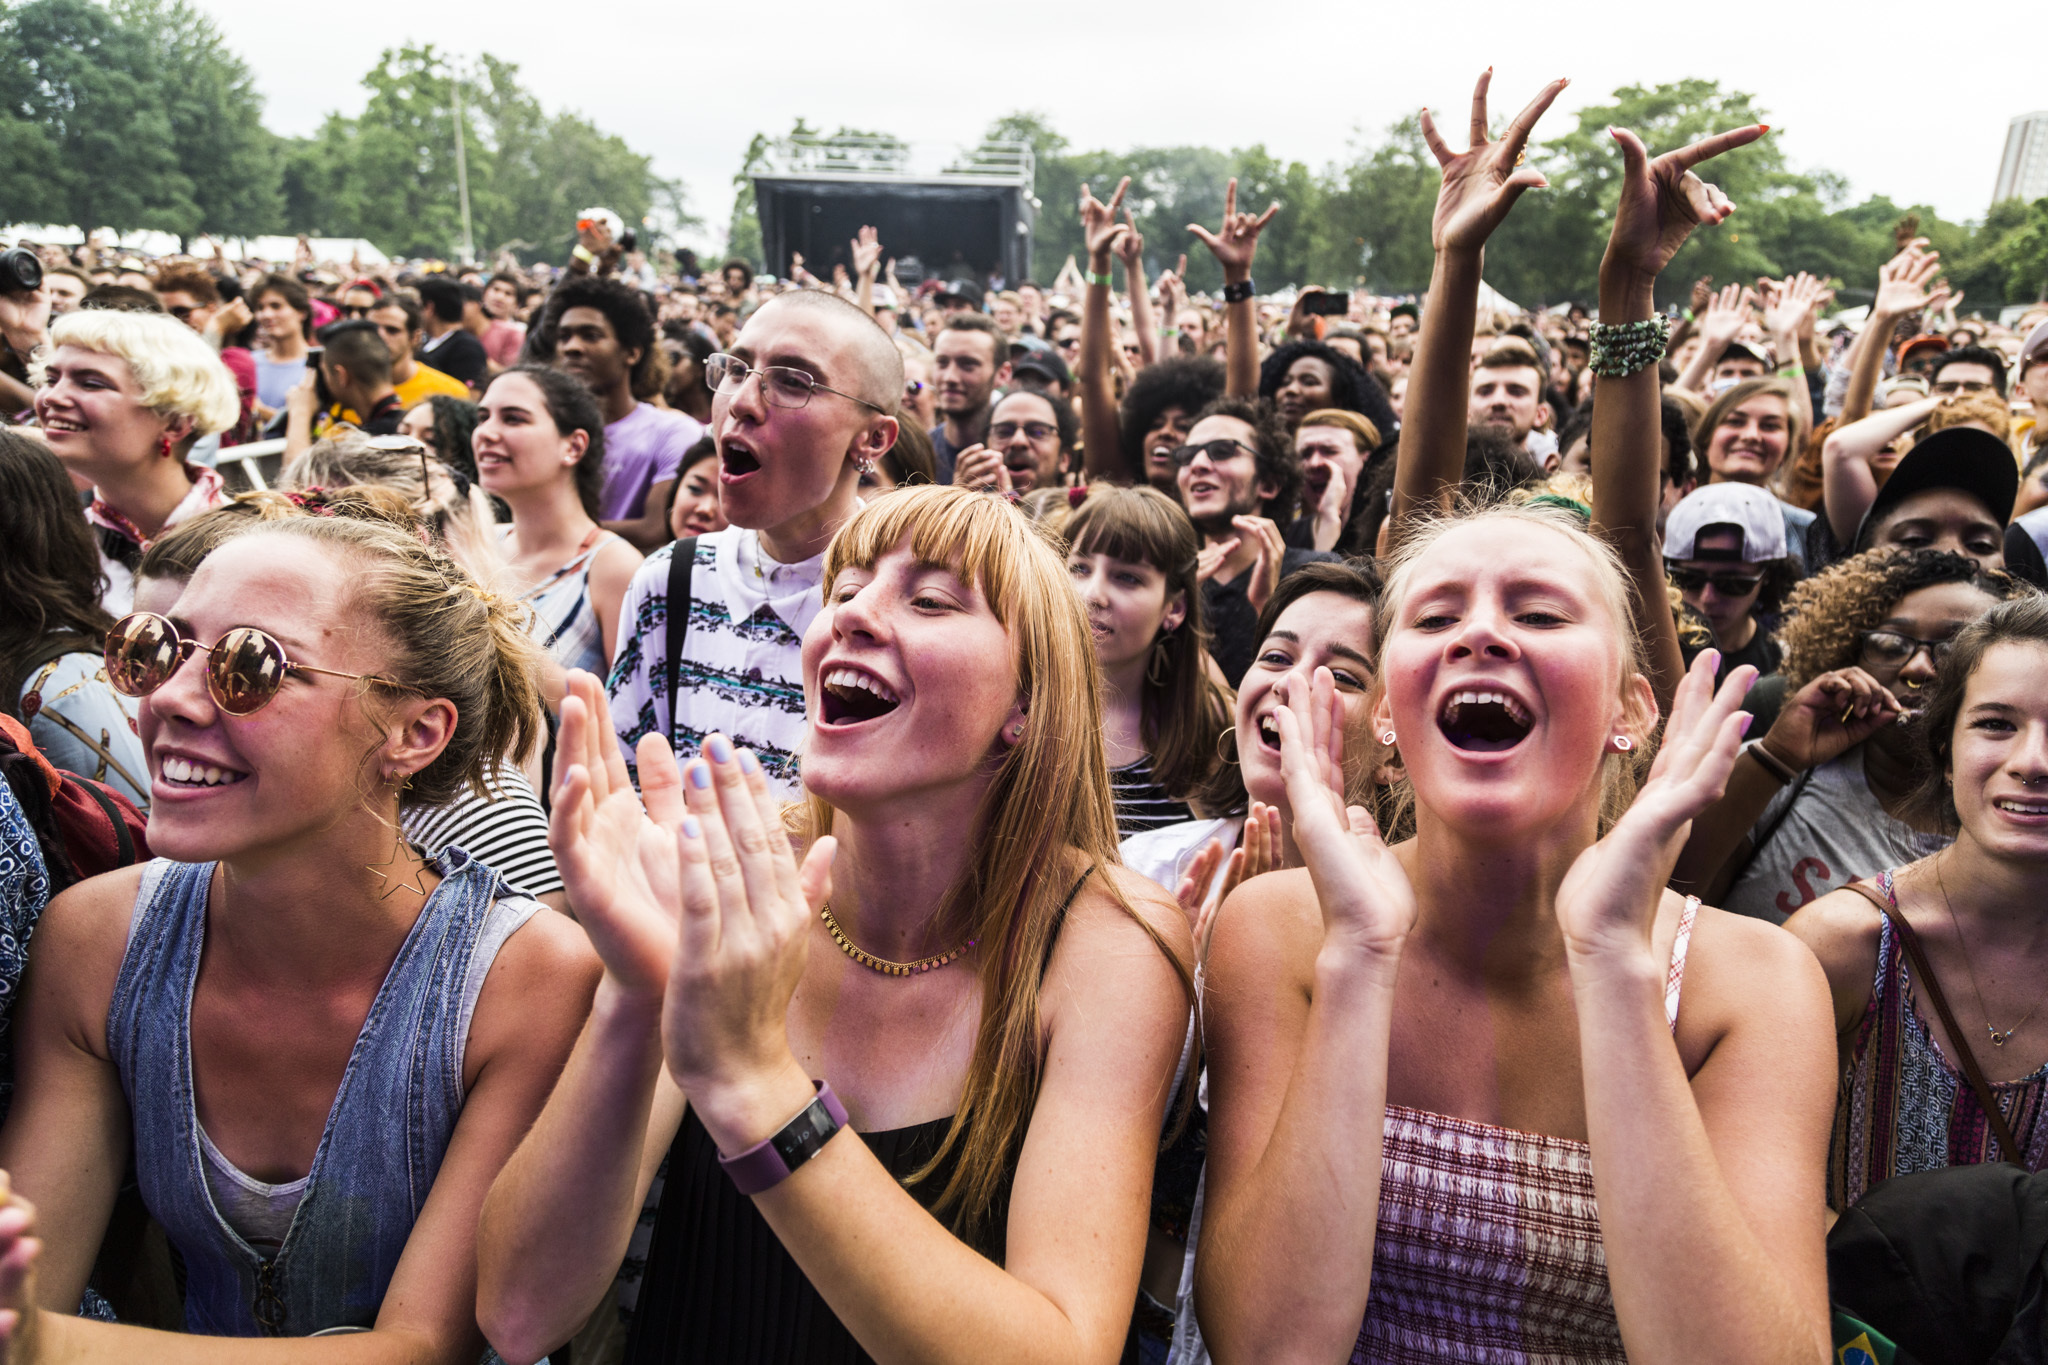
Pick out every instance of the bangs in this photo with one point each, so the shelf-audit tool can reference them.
(972, 535)
(1126, 524)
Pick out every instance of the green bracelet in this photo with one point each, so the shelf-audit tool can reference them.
(1103, 279)
(1627, 347)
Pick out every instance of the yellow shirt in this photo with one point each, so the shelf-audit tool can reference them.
(426, 381)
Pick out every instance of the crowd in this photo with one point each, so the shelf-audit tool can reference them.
(1298, 828)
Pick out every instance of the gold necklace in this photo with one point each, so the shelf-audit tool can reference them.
(883, 964)
(1997, 1039)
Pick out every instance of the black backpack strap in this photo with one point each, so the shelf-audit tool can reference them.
(124, 841)
(681, 558)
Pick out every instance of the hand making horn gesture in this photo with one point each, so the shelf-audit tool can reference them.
(1663, 199)
(1483, 182)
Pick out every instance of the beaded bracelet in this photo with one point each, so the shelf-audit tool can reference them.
(1626, 347)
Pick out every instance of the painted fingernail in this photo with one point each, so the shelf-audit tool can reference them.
(748, 763)
(700, 776)
(719, 748)
(691, 828)
(1747, 720)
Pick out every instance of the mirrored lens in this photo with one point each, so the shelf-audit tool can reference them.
(244, 670)
(142, 651)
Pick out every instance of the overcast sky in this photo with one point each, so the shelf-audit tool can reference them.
(1879, 91)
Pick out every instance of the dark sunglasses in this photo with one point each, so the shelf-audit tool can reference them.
(1727, 584)
(182, 312)
(244, 668)
(1218, 450)
(357, 310)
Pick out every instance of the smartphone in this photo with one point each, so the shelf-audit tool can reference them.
(1327, 305)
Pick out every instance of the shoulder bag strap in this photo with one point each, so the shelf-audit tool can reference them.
(1965, 1056)
(680, 559)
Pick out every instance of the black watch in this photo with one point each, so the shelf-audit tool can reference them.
(1239, 292)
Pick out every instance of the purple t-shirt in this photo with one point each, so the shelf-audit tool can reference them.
(640, 450)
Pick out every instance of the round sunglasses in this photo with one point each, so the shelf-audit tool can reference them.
(244, 668)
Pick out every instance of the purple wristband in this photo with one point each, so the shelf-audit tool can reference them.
(767, 1164)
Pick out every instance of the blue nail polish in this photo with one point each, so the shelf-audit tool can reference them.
(748, 763)
(692, 829)
(719, 748)
(700, 776)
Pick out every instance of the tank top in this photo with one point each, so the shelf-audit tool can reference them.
(567, 622)
(392, 1117)
(719, 1288)
(1901, 1106)
(1489, 1247)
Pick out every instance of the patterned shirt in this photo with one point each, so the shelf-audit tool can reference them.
(741, 671)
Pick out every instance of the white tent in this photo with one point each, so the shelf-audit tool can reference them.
(279, 250)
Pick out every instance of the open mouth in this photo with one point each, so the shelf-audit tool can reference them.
(61, 424)
(2014, 806)
(737, 460)
(847, 696)
(1269, 731)
(182, 772)
(1483, 722)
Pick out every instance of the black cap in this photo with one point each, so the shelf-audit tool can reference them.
(965, 290)
(1968, 459)
(1029, 353)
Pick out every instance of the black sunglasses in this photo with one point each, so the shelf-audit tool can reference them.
(1221, 449)
(1727, 584)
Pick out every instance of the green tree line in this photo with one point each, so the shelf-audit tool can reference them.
(1364, 222)
(135, 114)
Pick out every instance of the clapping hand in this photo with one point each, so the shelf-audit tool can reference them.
(744, 928)
(1663, 200)
(1234, 244)
(1257, 853)
(982, 468)
(617, 856)
(1482, 183)
(1607, 903)
(1272, 551)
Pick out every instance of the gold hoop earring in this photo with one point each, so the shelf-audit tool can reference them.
(1230, 758)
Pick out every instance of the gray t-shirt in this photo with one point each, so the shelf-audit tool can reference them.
(1835, 832)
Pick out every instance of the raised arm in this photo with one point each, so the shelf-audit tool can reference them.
(867, 258)
(1233, 246)
(1661, 201)
(1788, 313)
(1901, 291)
(1480, 185)
(1725, 314)
(1845, 458)
(1102, 439)
(1130, 249)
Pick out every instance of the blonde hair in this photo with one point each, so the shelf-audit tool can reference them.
(179, 373)
(1619, 773)
(1361, 427)
(447, 638)
(1047, 817)
(463, 521)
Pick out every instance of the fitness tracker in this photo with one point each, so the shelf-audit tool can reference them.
(767, 1164)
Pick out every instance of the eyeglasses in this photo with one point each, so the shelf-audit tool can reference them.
(912, 387)
(782, 386)
(356, 310)
(1218, 450)
(1004, 432)
(1727, 584)
(244, 668)
(1891, 648)
(1070, 344)
(1948, 388)
(182, 312)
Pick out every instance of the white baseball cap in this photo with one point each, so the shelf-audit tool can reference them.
(1745, 507)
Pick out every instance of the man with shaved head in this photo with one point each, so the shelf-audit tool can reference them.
(801, 405)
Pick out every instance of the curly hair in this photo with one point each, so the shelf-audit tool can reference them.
(1189, 383)
(623, 307)
(1351, 388)
(1277, 463)
(1827, 615)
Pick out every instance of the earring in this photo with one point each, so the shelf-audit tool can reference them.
(1157, 665)
(391, 882)
(863, 466)
(1231, 757)
(1387, 738)
(1622, 744)
(163, 446)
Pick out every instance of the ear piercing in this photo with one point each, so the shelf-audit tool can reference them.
(1622, 743)
(1387, 738)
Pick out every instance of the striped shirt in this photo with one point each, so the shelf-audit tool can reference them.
(508, 832)
(741, 671)
(1141, 803)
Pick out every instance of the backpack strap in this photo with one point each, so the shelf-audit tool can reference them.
(681, 558)
(1965, 1057)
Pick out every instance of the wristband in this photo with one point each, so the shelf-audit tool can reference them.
(1770, 762)
(1791, 371)
(1625, 348)
(1240, 292)
(1103, 279)
(767, 1164)
(583, 254)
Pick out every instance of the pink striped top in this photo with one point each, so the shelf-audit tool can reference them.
(1489, 1249)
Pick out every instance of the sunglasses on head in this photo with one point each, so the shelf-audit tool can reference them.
(1218, 450)
(244, 668)
(1727, 583)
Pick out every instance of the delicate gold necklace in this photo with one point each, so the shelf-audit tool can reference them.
(1997, 1039)
(883, 964)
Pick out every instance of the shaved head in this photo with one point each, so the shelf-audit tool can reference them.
(865, 360)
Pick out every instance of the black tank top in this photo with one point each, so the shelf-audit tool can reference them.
(719, 1287)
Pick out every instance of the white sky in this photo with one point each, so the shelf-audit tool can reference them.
(1884, 92)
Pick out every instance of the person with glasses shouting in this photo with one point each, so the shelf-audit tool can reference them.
(1824, 797)
(1724, 548)
(801, 406)
(313, 1045)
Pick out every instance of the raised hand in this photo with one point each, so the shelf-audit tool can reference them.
(1367, 900)
(1272, 547)
(617, 857)
(1099, 228)
(1210, 558)
(1791, 307)
(1234, 244)
(979, 467)
(1258, 852)
(1902, 282)
(1662, 200)
(744, 929)
(1726, 313)
(1130, 248)
(1607, 903)
(1483, 182)
(1826, 718)
(1173, 292)
(1702, 290)
(867, 252)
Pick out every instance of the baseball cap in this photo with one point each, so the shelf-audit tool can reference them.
(1745, 507)
(884, 296)
(967, 291)
(1926, 341)
(1041, 360)
(1742, 350)
(1968, 459)
(2035, 347)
